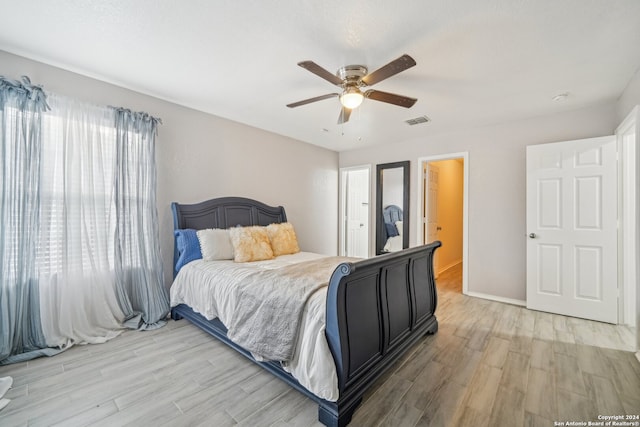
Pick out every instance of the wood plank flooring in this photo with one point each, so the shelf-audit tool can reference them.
(490, 364)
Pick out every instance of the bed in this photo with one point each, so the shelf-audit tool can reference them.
(393, 229)
(374, 311)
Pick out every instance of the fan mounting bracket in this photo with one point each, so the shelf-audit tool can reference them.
(352, 73)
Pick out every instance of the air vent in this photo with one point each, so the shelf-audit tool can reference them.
(418, 120)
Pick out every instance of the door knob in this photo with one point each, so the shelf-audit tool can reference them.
(532, 236)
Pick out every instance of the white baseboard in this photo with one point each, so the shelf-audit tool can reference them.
(496, 298)
(451, 265)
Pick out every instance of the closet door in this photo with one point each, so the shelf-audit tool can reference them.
(572, 228)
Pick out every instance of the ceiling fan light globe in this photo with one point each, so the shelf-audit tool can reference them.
(351, 99)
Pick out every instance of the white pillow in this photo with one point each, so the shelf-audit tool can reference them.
(215, 244)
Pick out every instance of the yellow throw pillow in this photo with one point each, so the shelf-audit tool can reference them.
(250, 244)
(283, 239)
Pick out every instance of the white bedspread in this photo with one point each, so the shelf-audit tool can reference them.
(312, 364)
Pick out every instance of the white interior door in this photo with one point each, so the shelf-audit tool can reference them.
(431, 208)
(357, 213)
(432, 178)
(572, 228)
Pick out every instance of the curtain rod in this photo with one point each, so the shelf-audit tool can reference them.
(38, 94)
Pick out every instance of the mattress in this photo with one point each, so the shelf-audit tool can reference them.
(312, 363)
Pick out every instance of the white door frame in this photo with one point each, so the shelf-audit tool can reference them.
(629, 223)
(465, 208)
(342, 208)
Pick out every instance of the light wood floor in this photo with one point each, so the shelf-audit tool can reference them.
(490, 364)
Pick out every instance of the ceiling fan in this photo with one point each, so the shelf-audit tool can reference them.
(352, 78)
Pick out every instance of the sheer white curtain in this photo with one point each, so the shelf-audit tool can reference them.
(21, 108)
(139, 279)
(75, 257)
(79, 245)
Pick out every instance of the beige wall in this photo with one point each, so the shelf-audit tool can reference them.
(450, 201)
(496, 186)
(201, 156)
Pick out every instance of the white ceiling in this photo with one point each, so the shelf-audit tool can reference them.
(479, 62)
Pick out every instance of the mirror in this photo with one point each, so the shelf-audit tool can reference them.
(392, 207)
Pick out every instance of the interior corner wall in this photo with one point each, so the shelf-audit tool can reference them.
(629, 98)
(201, 156)
(497, 192)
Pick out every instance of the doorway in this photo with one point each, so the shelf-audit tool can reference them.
(615, 286)
(442, 210)
(355, 215)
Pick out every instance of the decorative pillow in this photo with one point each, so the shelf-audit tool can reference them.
(188, 247)
(250, 244)
(392, 230)
(215, 244)
(399, 227)
(283, 239)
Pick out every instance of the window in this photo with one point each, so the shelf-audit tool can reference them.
(75, 204)
(77, 218)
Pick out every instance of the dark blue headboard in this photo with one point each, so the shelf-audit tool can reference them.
(224, 212)
(391, 214)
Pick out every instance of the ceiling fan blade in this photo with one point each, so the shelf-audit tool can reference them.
(390, 98)
(345, 113)
(310, 100)
(320, 72)
(391, 69)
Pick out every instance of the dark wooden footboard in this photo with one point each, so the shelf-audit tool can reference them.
(376, 310)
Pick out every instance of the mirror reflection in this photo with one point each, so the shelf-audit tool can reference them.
(392, 203)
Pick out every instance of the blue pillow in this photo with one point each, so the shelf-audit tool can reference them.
(392, 230)
(188, 247)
